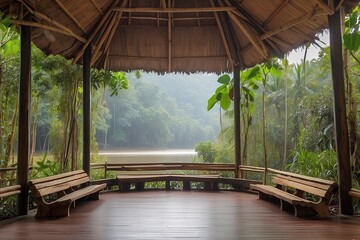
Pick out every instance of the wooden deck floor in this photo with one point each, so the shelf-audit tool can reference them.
(179, 215)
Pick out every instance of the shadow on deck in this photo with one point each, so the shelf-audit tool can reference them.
(179, 214)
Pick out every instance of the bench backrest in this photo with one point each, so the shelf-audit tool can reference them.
(318, 187)
(9, 191)
(57, 183)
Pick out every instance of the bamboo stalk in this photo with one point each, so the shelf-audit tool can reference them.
(222, 34)
(93, 34)
(329, 10)
(111, 35)
(252, 36)
(173, 10)
(276, 12)
(62, 6)
(169, 38)
(292, 23)
(97, 7)
(103, 38)
(47, 27)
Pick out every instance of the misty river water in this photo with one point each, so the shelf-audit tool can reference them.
(148, 155)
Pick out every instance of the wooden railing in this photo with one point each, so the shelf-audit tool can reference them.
(173, 166)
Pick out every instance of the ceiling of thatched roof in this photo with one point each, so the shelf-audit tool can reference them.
(172, 35)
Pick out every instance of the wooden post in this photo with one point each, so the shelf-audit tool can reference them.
(341, 129)
(86, 109)
(237, 126)
(24, 116)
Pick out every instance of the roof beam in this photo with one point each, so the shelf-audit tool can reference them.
(97, 7)
(293, 23)
(108, 34)
(169, 36)
(253, 38)
(174, 10)
(329, 10)
(276, 12)
(222, 34)
(62, 6)
(52, 21)
(47, 27)
(93, 34)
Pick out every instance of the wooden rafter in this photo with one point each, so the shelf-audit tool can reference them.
(173, 10)
(47, 27)
(113, 29)
(253, 37)
(197, 14)
(250, 33)
(97, 7)
(93, 34)
(62, 6)
(294, 22)
(222, 34)
(103, 37)
(329, 10)
(276, 12)
(42, 16)
(169, 37)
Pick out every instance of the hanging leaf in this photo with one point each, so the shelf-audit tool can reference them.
(224, 79)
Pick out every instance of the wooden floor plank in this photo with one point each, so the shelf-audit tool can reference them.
(179, 215)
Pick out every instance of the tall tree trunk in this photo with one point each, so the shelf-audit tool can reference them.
(286, 126)
(264, 134)
(353, 134)
(11, 137)
(34, 127)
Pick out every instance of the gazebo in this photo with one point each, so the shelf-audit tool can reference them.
(176, 36)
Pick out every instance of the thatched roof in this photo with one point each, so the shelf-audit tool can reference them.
(172, 35)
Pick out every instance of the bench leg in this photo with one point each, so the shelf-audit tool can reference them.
(285, 206)
(94, 196)
(322, 209)
(302, 211)
(60, 210)
(124, 187)
(186, 185)
(167, 185)
(42, 210)
(140, 186)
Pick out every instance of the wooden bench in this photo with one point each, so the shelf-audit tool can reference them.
(125, 181)
(10, 191)
(55, 195)
(355, 193)
(307, 196)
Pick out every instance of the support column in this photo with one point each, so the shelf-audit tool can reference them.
(86, 109)
(341, 129)
(22, 174)
(237, 126)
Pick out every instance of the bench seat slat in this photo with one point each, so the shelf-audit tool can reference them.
(11, 193)
(354, 192)
(69, 179)
(55, 177)
(9, 189)
(81, 193)
(290, 198)
(300, 186)
(323, 186)
(60, 187)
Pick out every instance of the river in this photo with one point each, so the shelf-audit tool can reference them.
(147, 155)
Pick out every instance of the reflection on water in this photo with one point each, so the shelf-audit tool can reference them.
(169, 155)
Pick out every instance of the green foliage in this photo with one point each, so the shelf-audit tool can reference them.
(222, 93)
(45, 168)
(316, 164)
(206, 151)
(352, 35)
